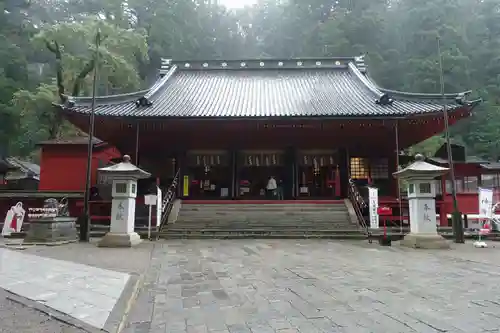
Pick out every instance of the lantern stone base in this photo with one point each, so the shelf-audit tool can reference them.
(425, 241)
(120, 240)
(52, 230)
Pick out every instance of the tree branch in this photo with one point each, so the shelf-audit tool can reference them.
(56, 49)
(89, 67)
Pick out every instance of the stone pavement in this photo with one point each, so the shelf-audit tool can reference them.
(309, 286)
(83, 292)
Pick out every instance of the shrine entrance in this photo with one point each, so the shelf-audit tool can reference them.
(209, 174)
(318, 174)
(255, 169)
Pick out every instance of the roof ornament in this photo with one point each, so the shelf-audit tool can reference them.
(165, 63)
(143, 101)
(69, 102)
(385, 99)
(461, 99)
(360, 63)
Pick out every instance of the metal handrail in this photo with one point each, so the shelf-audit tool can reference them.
(358, 204)
(168, 200)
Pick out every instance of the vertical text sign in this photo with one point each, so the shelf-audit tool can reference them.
(373, 206)
(485, 203)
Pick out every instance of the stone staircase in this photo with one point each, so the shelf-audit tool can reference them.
(329, 219)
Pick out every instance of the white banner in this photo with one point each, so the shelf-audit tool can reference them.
(485, 203)
(373, 206)
(13, 220)
(159, 208)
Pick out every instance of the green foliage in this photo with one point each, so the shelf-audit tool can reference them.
(398, 37)
(119, 54)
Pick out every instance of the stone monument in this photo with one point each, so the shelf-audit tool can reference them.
(124, 178)
(51, 224)
(420, 178)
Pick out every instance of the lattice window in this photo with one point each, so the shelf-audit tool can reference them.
(379, 168)
(359, 168)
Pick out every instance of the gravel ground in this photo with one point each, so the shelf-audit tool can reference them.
(17, 318)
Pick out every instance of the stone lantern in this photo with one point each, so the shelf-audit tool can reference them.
(420, 178)
(124, 178)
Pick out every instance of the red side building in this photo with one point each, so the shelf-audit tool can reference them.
(63, 163)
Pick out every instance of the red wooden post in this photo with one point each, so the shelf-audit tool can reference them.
(337, 182)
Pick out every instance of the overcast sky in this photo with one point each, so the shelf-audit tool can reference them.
(236, 3)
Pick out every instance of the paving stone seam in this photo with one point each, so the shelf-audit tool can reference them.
(140, 288)
(137, 290)
(130, 302)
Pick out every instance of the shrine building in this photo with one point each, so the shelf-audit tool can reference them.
(225, 127)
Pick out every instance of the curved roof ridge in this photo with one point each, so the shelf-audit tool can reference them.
(132, 97)
(160, 83)
(109, 99)
(372, 87)
(433, 96)
(422, 96)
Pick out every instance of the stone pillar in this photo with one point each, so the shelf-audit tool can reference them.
(421, 185)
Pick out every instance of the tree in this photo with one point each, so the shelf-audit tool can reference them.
(74, 49)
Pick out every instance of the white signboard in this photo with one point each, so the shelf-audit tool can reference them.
(485, 203)
(13, 220)
(373, 206)
(150, 199)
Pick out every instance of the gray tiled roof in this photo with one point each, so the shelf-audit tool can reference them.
(25, 166)
(293, 88)
(77, 140)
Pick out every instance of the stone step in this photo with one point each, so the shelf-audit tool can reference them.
(348, 229)
(244, 235)
(263, 225)
(241, 227)
(268, 203)
(263, 208)
(264, 220)
(260, 212)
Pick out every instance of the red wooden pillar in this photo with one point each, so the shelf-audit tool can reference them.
(337, 182)
(393, 167)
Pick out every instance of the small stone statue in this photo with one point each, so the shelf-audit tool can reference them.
(61, 206)
(63, 209)
(50, 203)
